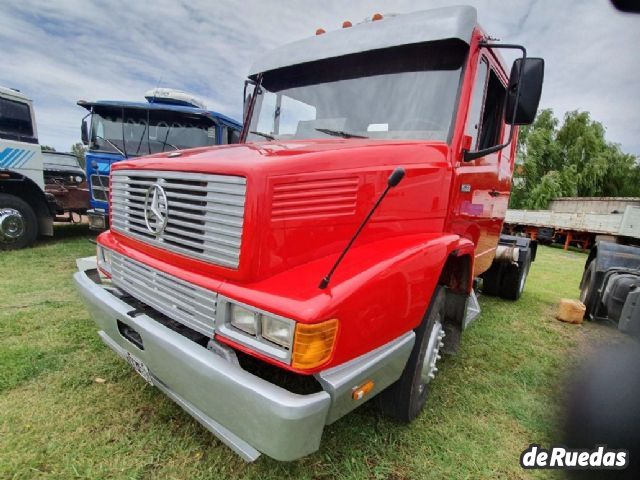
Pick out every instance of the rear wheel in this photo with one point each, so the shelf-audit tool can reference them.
(514, 278)
(405, 399)
(18, 223)
(491, 280)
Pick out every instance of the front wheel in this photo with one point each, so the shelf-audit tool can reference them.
(405, 399)
(18, 223)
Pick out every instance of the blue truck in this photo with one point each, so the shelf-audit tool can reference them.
(116, 130)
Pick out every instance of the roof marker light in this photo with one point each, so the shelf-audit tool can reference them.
(320, 31)
(376, 17)
(347, 24)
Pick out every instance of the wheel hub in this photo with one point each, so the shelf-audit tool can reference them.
(432, 354)
(11, 224)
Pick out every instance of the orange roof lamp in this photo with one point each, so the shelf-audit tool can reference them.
(320, 31)
(376, 17)
(347, 24)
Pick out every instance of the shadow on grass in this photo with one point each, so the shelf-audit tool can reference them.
(67, 231)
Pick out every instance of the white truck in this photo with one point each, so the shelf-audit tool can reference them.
(26, 210)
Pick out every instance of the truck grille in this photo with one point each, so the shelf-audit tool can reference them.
(181, 301)
(205, 213)
(100, 187)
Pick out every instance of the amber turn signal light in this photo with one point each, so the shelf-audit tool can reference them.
(313, 344)
(360, 391)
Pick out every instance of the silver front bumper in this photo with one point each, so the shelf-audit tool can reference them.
(247, 413)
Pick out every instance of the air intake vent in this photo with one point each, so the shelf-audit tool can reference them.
(315, 199)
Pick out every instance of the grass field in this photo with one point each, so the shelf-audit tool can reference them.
(500, 393)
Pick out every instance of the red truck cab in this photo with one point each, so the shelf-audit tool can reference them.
(271, 287)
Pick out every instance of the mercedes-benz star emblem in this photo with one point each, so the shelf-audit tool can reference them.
(156, 209)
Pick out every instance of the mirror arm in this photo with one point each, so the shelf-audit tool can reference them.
(249, 114)
(467, 155)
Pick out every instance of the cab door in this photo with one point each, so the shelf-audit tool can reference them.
(482, 185)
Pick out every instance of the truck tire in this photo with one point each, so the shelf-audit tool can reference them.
(18, 223)
(491, 280)
(514, 278)
(404, 399)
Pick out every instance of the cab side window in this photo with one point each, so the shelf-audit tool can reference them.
(15, 121)
(486, 113)
(493, 112)
(474, 120)
(229, 135)
(234, 135)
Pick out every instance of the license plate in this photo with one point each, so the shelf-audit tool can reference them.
(139, 367)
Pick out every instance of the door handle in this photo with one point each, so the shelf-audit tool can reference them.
(494, 193)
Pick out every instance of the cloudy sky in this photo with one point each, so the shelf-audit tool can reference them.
(61, 51)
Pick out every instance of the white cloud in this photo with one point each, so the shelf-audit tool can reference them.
(60, 52)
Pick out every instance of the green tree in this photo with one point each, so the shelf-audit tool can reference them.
(570, 160)
(78, 149)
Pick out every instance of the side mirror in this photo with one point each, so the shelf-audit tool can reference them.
(530, 85)
(84, 132)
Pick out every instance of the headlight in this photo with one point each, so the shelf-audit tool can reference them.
(243, 319)
(277, 330)
(104, 259)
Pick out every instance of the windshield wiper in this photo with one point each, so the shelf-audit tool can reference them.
(339, 133)
(262, 134)
(113, 145)
(164, 144)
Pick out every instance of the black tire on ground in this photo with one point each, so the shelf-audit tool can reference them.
(404, 399)
(514, 278)
(587, 289)
(491, 280)
(28, 232)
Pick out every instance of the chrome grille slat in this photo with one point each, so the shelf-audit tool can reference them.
(193, 306)
(219, 198)
(123, 199)
(169, 284)
(226, 238)
(213, 189)
(173, 237)
(205, 212)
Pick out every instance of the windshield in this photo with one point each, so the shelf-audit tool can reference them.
(406, 92)
(139, 133)
(60, 159)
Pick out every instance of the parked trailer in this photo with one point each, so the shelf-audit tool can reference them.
(271, 287)
(579, 221)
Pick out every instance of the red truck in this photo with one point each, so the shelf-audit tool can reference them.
(273, 286)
